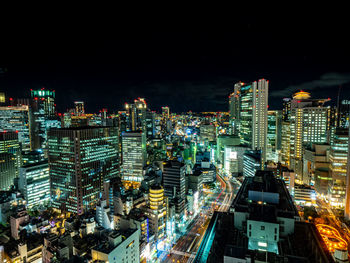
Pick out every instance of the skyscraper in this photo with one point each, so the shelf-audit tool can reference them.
(309, 123)
(18, 119)
(285, 132)
(174, 184)
(44, 116)
(249, 114)
(79, 108)
(134, 158)
(136, 115)
(80, 160)
(274, 120)
(10, 158)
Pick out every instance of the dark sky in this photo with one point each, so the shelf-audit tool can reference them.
(187, 65)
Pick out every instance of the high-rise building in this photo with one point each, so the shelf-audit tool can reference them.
(44, 115)
(165, 112)
(79, 108)
(150, 124)
(309, 123)
(344, 114)
(249, 114)
(136, 115)
(80, 160)
(34, 183)
(10, 158)
(174, 184)
(133, 158)
(274, 135)
(208, 132)
(18, 119)
(285, 132)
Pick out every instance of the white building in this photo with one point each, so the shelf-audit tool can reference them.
(34, 183)
(118, 248)
(133, 157)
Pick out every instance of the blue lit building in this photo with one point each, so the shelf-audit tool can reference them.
(251, 163)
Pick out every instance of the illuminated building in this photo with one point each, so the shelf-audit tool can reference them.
(234, 112)
(80, 160)
(315, 156)
(103, 216)
(344, 114)
(30, 157)
(274, 122)
(337, 164)
(285, 132)
(157, 213)
(174, 184)
(10, 158)
(233, 159)
(251, 163)
(136, 115)
(165, 112)
(309, 123)
(150, 124)
(222, 142)
(304, 195)
(134, 157)
(251, 118)
(44, 109)
(195, 183)
(34, 183)
(79, 108)
(118, 246)
(18, 119)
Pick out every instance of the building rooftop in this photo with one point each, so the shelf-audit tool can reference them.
(265, 190)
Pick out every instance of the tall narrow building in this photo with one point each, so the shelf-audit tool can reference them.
(309, 123)
(347, 197)
(249, 114)
(134, 158)
(80, 160)
(136, 115)
(274, 120)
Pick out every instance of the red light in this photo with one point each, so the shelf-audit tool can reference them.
(36, 98)
(11, 99)
(298, 101)
(59, 114)
(16, 131)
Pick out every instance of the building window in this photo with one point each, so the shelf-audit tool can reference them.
(262, 227)
(250, 227)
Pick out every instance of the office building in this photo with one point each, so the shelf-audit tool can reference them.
(80, 160)
(10, 158)
(18, 119)
(251, 163)
(150, 124)
(174, 184)
(165, 112)
(44, 109)
(274, 135)
(249, 114)
(133, 158)
(309, 123)
(136, 115)
(30, 157)
(285, 133)
(233, 159)
(34, 183)
(79, 108)
(2, 98)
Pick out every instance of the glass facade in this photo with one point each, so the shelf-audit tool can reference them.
(80, 160)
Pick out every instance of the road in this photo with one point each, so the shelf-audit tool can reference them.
(186, 247)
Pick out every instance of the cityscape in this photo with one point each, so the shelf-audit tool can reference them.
(175, 155)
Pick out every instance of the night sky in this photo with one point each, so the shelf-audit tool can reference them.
(186, 66)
